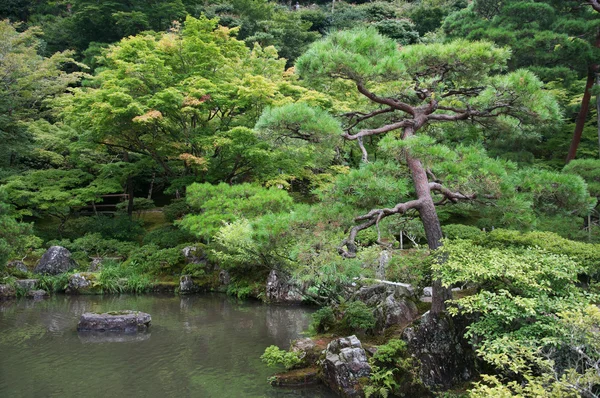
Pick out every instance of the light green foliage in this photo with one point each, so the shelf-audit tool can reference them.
(393, 372)
(585, 254)
(52, 192)
(522, 298)
(460, 231)
(222, 203)
(27, 80)
(122, 278)
(157, 96)
(274, 356)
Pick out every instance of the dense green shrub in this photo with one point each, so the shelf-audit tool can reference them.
(322, 320)
(357, 316)
(526, 303)
(94, 245)
(176, 210)
(220, 204)
(118, 227)
(460, 231)
(153, 260)
(410, 266)
(168, 236)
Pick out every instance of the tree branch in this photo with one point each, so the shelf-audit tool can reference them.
(371, 218)
(454, 197)
(401, 106)
(380, 130)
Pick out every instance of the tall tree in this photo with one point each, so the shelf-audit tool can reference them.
(557, 39)
(410, 90)
(27, 80)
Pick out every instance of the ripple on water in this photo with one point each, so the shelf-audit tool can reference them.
(200, 346)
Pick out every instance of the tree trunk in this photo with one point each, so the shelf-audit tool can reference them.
(598, 110)
(129, 189)
(581, 116)
(433, 229)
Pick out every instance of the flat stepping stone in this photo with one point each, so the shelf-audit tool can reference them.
(115, 321)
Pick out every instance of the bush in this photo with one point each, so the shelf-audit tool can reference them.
(460, 231)
(274, 356)
(357, 316)
(153, 260)
(119, 227)
(94, 245)
(176, 210)
(322, 320)
(410, 266)
(168, 236)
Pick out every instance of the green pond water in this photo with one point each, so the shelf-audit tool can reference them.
(197, 346)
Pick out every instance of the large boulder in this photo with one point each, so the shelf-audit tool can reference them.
(116, 321)
(281, 290)
(56, 260)
(345, 366)
(17, 265)
(392, 303)
(446, 358)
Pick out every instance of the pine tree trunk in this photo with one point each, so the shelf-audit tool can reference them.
(433, 229)
(581, 116)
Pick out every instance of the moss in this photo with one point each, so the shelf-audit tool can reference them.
(296, 377)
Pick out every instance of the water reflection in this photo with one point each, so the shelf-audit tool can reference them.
(200, 346)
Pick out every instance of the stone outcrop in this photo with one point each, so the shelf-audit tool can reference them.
(187, 285)
(280, 290)
(26, 284)
(193, 255)
(95, 264)
(345, 366)
(7, 292)
(17, 265)
(116, 321)
(445, 357)
(56, 260)
(308, 350)
(392, 303)
(81, 283)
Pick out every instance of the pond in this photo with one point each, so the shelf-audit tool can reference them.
(198, 346)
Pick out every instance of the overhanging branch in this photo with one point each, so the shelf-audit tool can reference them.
(372, 218)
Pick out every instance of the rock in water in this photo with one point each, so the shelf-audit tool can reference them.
(115, 321)
(345, 363)
(280, 290)
(187, 285)
(56, 260)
